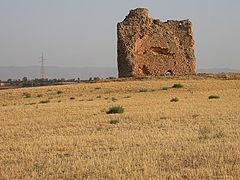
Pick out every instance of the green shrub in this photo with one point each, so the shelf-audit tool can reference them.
(213, 97)
(44, 101)
(115, 121)
(114, 99)
(204, 133)
(39, 95)
(195, 116)
(163, 118)
(177, 86)
(165, 88)
(26, 95)
(115, 110)
(143, 90)
(174, 99)
(59, 92)
(219, 135)
(111, 78)
(38, 167)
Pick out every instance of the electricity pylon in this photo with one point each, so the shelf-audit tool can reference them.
(42, 70)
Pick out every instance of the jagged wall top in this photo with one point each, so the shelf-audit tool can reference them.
(139, 12)
(148, 46)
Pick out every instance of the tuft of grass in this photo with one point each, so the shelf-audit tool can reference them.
(90, 100)
(26, 95)
(98, 97)
(219, 135)
(213, 97)
(72, 98)
(44, 101)
(174, 99)
(165, 88)
(114, 121)
(143, 90)
(204, 133)
(59, 92)
(97, 88)
(30, 104)
(195, 116)
(114, 99)
(177, 86)
(38, 167)
(115, 110)
(163, 118)
(127, 97)
(39, 95)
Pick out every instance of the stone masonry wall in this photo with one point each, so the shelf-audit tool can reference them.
(149, 47)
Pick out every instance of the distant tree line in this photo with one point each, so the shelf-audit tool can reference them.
(25, 82)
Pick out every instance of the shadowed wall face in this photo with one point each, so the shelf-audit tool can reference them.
(148, 47)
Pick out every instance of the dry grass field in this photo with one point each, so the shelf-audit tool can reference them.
(64, 132)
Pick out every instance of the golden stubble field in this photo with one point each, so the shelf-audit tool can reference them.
(63, 132)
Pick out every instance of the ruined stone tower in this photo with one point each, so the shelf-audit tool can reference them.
(149, 47)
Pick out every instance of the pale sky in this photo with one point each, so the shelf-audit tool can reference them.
(79, 33)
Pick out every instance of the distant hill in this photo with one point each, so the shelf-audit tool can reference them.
(17, 72)
(218, 70)
(32, 72)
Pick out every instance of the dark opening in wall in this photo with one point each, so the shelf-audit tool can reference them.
(160, 50)
(145, 70)
(168, 73)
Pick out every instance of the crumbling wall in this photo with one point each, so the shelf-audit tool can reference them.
(149, 47)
